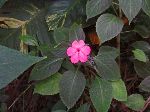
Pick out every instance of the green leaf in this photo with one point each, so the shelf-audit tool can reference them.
(54, 20)
(68, 65)
(146, 6)
(49, 86)
(61, 35)
(135, 102)
(140, 55)
(59, 106)
(101, 94)
(130, 8)
(76, 33)
(57, 14)
(108, 26)
(2, 2)
(144, 46)
(119, 90)
(142, 69)
(106, 64)
(96, 7)
(142, 30)
(32, 15)
(145, 84)
(46, 68)
(72, 85)
(60, 111)
(65, 13)
(83, 108)
(29, 40)
(13, 64)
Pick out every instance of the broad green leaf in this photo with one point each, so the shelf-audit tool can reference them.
(119, 90)
(140, 55)
(30, 14)
(106, 64)
(101, 94)
(142, 69)
(54, 20)
(76, 33)
(57, 14)
(83, 108)
(65, 13)
(107, 50)
(13, 64)
(96, 7)
(72, 85)
(145, 84)
(2, 2)
(46, 68)
(108, 26)
(146, 6)
(59, 106)
(61, 35)
(68, 65)
(135, 102)
(49, 86)
(130, 8)
(29, 40)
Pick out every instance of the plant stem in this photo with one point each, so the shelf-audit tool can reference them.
(23, 46)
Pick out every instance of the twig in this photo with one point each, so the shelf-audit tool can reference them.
(19, 97)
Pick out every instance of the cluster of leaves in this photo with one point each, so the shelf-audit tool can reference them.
(50, 37)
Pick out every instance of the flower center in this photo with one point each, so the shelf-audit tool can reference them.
(78, 49)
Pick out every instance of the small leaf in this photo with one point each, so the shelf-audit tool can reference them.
(142, 69)
(140, 55)
(145, 84)
(146, 6)
(108, 26)
(106, 64)
(135, 102)
(101, 94)
(46, 68)
(13, 64)
(96, 7)
(144, 46)
(71, 87)
(29, 40)
(119, 90)
(83, 108)
(130, 8)
(49, 86)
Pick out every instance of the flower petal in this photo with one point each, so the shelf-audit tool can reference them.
(81, 43)
(75, 44)
(86, 50)
(83, 58)
(75, 58)
(71, 51)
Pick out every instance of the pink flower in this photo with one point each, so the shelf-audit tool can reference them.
(79, 51)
